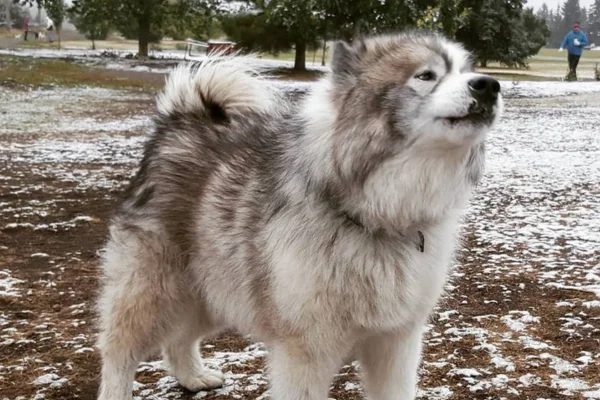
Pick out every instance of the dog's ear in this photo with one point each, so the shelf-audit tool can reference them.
(345, 62)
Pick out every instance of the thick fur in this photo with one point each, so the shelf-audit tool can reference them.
(323, 228)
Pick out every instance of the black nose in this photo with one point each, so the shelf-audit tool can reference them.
(485, 89)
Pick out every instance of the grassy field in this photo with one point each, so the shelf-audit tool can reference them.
(549, 64)
(520, 320)
(16, 71)
(588, 55)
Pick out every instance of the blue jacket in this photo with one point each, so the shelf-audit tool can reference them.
(569, 39)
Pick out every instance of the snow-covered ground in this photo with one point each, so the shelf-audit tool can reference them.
(121, 59)
(521, 319)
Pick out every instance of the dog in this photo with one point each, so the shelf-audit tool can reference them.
(324, 228)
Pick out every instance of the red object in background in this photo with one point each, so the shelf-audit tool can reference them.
(26, 23)
(220, 47)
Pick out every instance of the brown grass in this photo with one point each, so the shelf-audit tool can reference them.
(16, 71)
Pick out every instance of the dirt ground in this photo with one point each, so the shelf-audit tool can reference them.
(521, 319)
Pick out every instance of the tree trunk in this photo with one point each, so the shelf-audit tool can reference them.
(93, 40)
(357, 29)
(324, 45)
(58, 34)
(300, 61)
(143, 37)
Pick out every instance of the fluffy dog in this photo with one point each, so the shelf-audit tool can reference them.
(324, 228)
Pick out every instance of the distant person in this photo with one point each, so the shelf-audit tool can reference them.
(26, 27)
(574, 41)
(50, 30)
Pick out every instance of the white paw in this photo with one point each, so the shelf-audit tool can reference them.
(207, 379)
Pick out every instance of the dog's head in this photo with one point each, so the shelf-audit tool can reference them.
(423, 86)
(409, 118)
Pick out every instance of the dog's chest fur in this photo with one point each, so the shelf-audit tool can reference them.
(359, 279)
(304, 265)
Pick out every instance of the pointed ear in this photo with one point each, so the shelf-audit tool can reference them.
(346, 59)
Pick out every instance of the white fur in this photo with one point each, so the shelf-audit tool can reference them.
(229, 81)
(360, 295)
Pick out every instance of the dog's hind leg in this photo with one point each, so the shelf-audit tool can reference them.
(183, 356)
(137, 301)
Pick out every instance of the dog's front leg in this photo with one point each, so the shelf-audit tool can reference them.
(296, 374)
(389, 364)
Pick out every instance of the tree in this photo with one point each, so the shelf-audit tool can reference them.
(140, 19)
(502, 31)
(56, 10)
(544, 13)
(446, 16)
(301, 19)
(584, 19)
(594, 23)
(536, 34)
(556, 27)
(304, 23)
(92, 18)
(251, 31)
(16, 14)
(147, 20)
(184, 21)
(571, 12)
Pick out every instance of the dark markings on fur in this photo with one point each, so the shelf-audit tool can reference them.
(345, 60)
(331, 244)
(350, 93)
(447, 61)
(144, 197)
(439, 82)
(142, 175)
(474, 164)
(276, 211)
(421, 242)
(391, 101)
(215, 111)
(469, 65)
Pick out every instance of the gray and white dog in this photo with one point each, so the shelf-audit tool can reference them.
(325, 229)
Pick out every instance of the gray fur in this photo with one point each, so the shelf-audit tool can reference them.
(324, 228)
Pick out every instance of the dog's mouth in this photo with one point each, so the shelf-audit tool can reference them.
(476, 114)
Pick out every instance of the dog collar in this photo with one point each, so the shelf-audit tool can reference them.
(420, 241)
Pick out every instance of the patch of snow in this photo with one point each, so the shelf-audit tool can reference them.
(435, 393)
(53, 380)
(40, 255)
(8, 284)
(470, 372)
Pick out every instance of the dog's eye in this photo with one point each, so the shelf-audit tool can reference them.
(426, 76)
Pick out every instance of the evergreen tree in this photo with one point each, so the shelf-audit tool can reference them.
(502, 31)
(303, 23)
(252, 32)
(584, 19)
(544, 13)
(571, 13)
(594, 23)
(556, 27)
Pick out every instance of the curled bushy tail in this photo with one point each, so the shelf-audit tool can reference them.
(228, 84)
